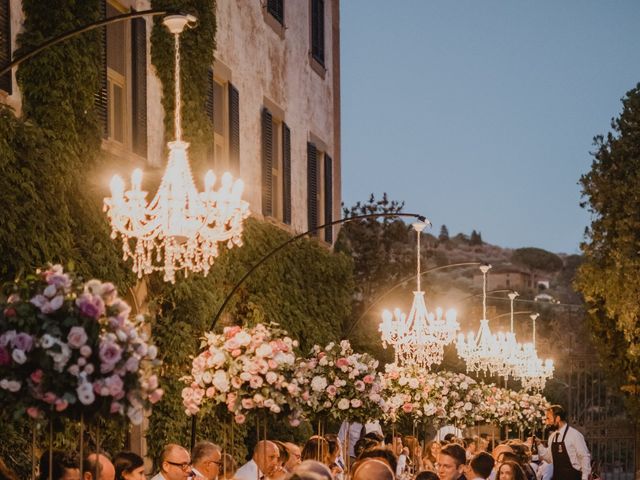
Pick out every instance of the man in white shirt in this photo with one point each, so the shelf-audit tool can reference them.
(566, 449)
(356, 431)
(262, 465)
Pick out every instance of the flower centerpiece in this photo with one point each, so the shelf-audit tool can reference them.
(340, 383)
(407, 393)
(247, 370)
(70, 347)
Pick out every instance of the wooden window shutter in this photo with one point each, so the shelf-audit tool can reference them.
(312, 186)
(286, 173)
(100, 96)
(267, 163)
(139, 85)
(317, 30)
(5, 44)
(234, 130)
(276, 9)
(328, 197)
(208, 105)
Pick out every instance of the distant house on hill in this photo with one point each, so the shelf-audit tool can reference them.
(507, 277)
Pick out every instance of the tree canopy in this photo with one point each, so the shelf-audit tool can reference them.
(609, 278)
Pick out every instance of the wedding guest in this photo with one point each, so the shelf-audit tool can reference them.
(471, 447)
(206, 460)
(312, 467)
(175, 463)
(415, 453)
(228, 468)
(383, 454)
(295, 456)
(263, 463)
(451, 462)
(316, 448)
(129, 466)
(362, 445)
(426, 475)
(510, 471)
(64, 466)
(394, 441)
(481, 466)
(336, 464)
(283, 452)
(98, 466)
(523, 457)
(373, 469)
(430, 455)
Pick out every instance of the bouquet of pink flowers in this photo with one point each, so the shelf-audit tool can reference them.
(340, 383)
(246, 369)
(69, 347)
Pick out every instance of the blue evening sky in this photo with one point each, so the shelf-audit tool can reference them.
(480, 114)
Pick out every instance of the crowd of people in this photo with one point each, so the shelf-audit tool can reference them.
(371, 456)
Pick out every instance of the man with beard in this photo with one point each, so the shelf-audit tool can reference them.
(566, 450)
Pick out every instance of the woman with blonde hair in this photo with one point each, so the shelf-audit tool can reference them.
(415, 453)
(430, 455)
(317, 448)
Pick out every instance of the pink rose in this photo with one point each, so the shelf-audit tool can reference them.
(49, 397)
(210, 392)
(407, 407)
(85, 350)
(342, 362)
(368, 379)
(77, 337)
(236, 352)
(156, 395)
(248, 403)
(359, 385)
(115, 385)
(110, 354)
(332, 390)
(34, 412)
(239, 418)
(116, 407)
(61, 405)
(229, 332)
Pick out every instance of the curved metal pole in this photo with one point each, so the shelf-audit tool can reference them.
(297, 237)
(509, 313)
(402, 282)
(86, 28)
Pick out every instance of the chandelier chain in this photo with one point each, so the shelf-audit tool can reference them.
(178, 112)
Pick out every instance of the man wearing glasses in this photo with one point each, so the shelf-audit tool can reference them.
(206, 461)
(175, 463)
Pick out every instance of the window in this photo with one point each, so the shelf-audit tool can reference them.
(223, 104)
(5, 44)
(276, 167)
(117, 123)
(276, 10)
(319, 190)
(317, 31)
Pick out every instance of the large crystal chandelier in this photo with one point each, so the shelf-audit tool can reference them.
(180, 229)
(510, 355)
(481, 352)
(532, 371)
(419, 338)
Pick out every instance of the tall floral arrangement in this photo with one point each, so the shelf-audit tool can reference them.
(245, 370)
(340, 383)
(68, 347)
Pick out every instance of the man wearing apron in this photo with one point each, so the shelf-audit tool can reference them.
(567, 449)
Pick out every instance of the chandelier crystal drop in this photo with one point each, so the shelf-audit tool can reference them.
(532, 371)
(419, 338)
(180, 228)
(510, 350)
(481, 352)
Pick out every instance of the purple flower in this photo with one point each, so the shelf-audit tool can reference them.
(77, 337)
(22, 341)
(90, 305)
(5, 358)
(7, 337)
(115, 385)
(110, 354)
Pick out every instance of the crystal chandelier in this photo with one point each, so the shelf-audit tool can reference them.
(481, 352)
(532, 371)
(510, 354)
(179, 229)
(419, 338)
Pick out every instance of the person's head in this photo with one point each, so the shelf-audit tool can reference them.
(64, 466)
(266, 455)
(228, 468)
(448, 438)
(521, 450)
(482, 464)
(499, 450)
(310, 468)
(175, 462)
(470, 445)
(483, 442)
(510, 471)
(373, 469)
(98, 466)
(377, 436)
(555, 416)
(431, 451)
(295, 456)
(451, 462)
(206, 457)
(334, 446)
(283, 457)
(362, 445)
(413, 445)
(316, 448)
(129, 466)
(426, 475)
(383, 454)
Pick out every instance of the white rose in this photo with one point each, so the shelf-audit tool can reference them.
(243, 338)
(275, 408)
(271, 377)
(19, 356)
(413, 383)
(264, 350)
(85, 393)
(13, 386)
(136, 415)
(318, 384)
(356, 403)
(206, 377)
(343, 404)
(323, 361)
(221, 381)
(47, 341)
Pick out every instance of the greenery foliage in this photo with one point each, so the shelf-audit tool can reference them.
(609, 278)
(537, 259)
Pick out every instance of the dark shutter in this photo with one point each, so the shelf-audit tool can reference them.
(276, 9)
(208, 105)
(139, 85)
(312, 186)
(328, 197)
(234, 130)
(267, 163)
(5, 44)
(317, 30)
(101, 95)
(286, 173)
